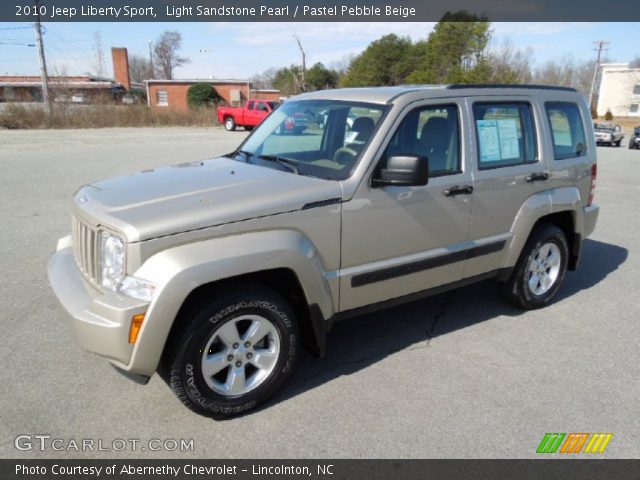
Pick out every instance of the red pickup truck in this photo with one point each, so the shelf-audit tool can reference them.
(249, 116)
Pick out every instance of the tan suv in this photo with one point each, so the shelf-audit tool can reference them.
(217, 272)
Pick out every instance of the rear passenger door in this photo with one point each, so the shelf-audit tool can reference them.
(508, 168)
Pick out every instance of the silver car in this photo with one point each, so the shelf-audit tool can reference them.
(608, 134)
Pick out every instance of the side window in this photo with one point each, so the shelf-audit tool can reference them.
(250, 106)
(567, 130)
(262, 107)
(505, 133)
(432, 132)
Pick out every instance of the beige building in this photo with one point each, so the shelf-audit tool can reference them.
(619, 90)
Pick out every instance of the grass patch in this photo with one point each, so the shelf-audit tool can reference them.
(30, 116)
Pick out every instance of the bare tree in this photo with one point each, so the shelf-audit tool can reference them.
(511, 65)
(635, 63)
(265, 79)
(166, 54)
(140, 68)
(99, 67)
(566, 72)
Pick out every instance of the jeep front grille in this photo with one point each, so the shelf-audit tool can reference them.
(85, 248)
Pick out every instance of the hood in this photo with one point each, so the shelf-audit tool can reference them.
(179, 198)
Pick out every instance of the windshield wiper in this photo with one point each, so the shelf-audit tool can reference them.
(289, 164)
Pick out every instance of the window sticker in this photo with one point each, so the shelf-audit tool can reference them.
(498, 140)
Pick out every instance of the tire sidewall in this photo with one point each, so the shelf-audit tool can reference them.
(229, 124)
(190, 357)
(552, 236)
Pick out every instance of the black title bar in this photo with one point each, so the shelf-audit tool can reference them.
(319, 469)
(315, 10)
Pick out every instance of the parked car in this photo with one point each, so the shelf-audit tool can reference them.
(218, 272)
(296, 123)
(634, 141)
(608, 134)
(248, 116)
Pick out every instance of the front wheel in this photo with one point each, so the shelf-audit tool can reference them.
(540, 269)
(229, 124)
(232, 354)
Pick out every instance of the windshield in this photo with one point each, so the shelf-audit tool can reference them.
(600, 126)
(319, 138)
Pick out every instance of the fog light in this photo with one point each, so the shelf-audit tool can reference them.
(136, 325)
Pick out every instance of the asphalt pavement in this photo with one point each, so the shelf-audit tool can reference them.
(458, 375)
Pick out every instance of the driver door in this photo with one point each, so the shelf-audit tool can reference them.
(399, 240)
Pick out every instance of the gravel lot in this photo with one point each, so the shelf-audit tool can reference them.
(458, 375)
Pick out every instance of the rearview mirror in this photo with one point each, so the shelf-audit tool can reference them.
(403, 171)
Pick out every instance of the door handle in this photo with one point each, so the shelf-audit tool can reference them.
(537, 177)
(458, 190)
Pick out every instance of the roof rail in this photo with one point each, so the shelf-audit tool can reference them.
(459, 86)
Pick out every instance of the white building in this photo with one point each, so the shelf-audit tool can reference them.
(619, 90)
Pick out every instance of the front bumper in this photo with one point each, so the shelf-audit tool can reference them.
(100, 321)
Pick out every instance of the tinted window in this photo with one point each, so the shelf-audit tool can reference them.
(262, 107)
(250, 106)
(567, 130)
(505, 134)
(431, 132)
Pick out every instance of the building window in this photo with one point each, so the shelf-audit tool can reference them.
(634, 108)
(162, 98)
(9, 93)
(636, 89)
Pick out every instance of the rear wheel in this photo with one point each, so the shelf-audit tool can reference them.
(229, 124)
(618, 143)
(540, 269)
(232, 354)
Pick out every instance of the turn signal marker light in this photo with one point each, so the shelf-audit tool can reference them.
(136, 325)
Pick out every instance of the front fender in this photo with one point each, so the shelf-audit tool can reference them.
(178, 271)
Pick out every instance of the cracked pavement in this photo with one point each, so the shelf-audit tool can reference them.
(461, 374)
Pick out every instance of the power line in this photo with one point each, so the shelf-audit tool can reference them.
(18, 44)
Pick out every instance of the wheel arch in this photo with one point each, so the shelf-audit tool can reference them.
(561, 207)
(283, 260)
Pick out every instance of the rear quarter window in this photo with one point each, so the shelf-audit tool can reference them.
(567, 130)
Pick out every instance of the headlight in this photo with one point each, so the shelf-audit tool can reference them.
(112, 260)
(113, 270)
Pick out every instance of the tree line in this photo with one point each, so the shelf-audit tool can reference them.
(458, 50)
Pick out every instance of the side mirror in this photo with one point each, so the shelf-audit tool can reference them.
(403, 171)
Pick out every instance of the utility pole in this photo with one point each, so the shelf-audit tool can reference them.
(303, 84)
(599, 47)
(151, 60)
(43, 61)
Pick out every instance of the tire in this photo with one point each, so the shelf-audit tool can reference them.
(229, 124)
(232, 384)
(618, 143)
(248, 128)
(522, 289)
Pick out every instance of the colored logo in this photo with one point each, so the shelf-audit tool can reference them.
(574, 442)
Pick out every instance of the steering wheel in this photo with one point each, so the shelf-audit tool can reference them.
(344, 155)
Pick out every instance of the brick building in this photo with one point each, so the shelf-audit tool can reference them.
(23, 88)
(172, 94)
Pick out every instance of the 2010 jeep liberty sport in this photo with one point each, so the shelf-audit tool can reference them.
(217, 272)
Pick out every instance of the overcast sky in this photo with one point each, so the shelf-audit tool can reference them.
(239, 50)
